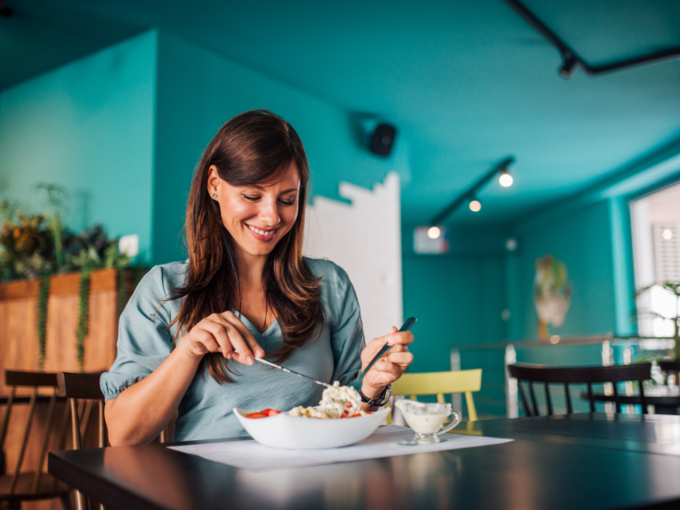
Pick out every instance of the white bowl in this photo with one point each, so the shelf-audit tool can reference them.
(299, 433)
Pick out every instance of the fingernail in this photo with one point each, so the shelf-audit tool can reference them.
(250, 360)
(228, 355)
(259, 353)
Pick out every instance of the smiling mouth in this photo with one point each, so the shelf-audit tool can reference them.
(264, 233)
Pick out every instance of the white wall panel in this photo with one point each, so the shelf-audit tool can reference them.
(364, 238)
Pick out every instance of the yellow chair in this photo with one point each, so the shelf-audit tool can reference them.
(439, 383)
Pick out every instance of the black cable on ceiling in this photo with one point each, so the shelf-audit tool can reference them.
(571, 60)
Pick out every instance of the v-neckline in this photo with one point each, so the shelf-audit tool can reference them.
(251, 326)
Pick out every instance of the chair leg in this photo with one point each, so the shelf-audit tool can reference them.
(81, 501)
(65, 501)
(472, 412)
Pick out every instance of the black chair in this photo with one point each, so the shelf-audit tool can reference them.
(35, 485)
(577, 375)
(671, 367)
(84, 387)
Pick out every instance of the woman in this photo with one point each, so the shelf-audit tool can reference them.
(190, 333)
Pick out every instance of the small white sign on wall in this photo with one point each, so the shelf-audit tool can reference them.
(129, 245)
(364, 238)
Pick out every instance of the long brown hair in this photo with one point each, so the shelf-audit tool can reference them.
(252, 148)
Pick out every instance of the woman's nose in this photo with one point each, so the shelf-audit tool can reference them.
(269, 213)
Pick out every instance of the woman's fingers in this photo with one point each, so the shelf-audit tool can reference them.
(389, 368)
(396, 338)
(207, 341)
(230, 339)
(402, 359)
(254, 347)
(221, 335)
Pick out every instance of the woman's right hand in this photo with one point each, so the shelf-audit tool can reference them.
(225, 333)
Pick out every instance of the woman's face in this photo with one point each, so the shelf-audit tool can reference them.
(257, 217)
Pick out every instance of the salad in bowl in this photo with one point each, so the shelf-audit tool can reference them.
(337, 421)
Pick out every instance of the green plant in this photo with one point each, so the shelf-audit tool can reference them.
(56, 197)
(83, 327)
(97, 251)
(43, 298)
(26, 245)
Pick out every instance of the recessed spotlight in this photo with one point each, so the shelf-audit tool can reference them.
(475, 205)
(667, 234)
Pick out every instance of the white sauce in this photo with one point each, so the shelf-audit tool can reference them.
(424, 423)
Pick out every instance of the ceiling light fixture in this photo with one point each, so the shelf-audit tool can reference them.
(434, 232)
(568, 66)
(505, 179)
(468, 196)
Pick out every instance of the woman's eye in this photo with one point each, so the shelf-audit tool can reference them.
(252, 199)
(288, 202)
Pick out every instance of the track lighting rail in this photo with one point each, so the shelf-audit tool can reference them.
(571, 60)
(470, 193)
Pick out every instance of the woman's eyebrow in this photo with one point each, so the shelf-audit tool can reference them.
(263, 188)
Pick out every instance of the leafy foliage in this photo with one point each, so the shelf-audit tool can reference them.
(26, 245)
(37, 246)
(43, 297)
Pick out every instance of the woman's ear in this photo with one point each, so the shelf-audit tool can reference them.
(214, 181)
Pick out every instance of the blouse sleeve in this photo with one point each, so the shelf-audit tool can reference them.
(346, 329)
(144, 340)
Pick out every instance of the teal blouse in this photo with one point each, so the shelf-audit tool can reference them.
(206, 410)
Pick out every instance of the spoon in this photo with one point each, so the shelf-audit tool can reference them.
(356, 383)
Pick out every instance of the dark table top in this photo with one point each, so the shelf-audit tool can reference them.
(584, 461)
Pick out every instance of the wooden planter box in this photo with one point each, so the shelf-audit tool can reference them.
(18, 324)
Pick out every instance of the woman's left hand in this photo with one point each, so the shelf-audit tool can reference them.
(388, 368)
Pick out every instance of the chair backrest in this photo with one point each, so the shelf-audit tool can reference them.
(577, 375)
(669, 366)
(83, 387)
(35, 380)
(441, 383)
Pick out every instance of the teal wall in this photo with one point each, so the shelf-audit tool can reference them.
(458, 299)
(582, 239)
(87, 126)
(198, 91)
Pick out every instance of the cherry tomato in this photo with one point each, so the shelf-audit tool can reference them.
(271, 412)
(257, 415)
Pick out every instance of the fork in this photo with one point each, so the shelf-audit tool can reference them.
(356, 383)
